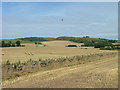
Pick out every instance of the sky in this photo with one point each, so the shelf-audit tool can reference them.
(43, 19)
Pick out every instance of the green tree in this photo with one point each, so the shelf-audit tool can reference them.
(35, 43)
(3, 43)
(18, 43)
(13, 44)
(9, 44)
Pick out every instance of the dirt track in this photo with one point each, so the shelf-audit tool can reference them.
(97, 74)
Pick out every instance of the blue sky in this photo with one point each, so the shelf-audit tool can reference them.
(43, 19)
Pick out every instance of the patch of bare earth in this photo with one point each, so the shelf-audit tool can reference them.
(97, 74)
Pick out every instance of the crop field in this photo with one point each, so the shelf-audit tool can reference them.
(52, 64)
(101, 73)
(54, 49)
(59, 45)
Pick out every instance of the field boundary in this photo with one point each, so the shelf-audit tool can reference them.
(18, 69)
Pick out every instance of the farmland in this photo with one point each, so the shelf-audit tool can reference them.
(98, 74)
(59, 45)
(56, 56)
(53, 50)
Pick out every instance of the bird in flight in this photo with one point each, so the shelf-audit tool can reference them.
(61, 19)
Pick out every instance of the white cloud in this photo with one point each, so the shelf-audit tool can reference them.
(77, 21)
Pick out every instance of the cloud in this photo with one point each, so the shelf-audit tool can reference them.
(44, 19)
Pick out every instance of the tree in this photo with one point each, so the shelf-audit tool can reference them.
(87, 36)
(9, 44)
(35, 43)
(13, 45)
(71, 46)
(39, 43)
(3, 43)
(18, 43)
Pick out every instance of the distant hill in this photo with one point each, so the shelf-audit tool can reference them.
(88, 41)
(96, 42)
(30, 39)
(37, 39)
(74, 39)
(85, 39)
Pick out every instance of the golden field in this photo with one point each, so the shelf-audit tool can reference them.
(101, 73)
(98, 73)
(54, 49)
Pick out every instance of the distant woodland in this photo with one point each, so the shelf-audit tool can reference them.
(103, 44)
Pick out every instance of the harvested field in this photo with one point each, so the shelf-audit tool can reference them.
(57, 66)
(18, 69)
(101, 73)
(60, 43)
(14, 54)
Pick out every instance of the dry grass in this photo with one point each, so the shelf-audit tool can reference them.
(14, 54)
(60, 43)
(98, 74)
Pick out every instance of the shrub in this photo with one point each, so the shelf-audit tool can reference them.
(71, 46)
(36, 43)
(39, 43)
(16, 74)
(18, 43)
(7, 62)
(44, 45)
(13, 45)
(22, 45)
(19, 62)
(110, 48)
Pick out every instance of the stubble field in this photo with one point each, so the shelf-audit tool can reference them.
(99, 73)
(54, 49)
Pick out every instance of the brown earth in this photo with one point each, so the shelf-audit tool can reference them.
(101, 73)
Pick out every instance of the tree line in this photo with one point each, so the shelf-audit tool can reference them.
(113, 47)
(10, 44)
(91, 42)
(32, 39)
(88, 41)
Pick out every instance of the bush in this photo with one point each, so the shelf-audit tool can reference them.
(71, 46)
(22, 45)
(7, 62)
(19, 62)
(102, 44)
(39, 43)
(18, 43)
(44, 45)
(113, 47)
(13, 45)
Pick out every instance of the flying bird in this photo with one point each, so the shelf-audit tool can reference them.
(61, 19)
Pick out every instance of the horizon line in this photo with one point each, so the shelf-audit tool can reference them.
(60, 36)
